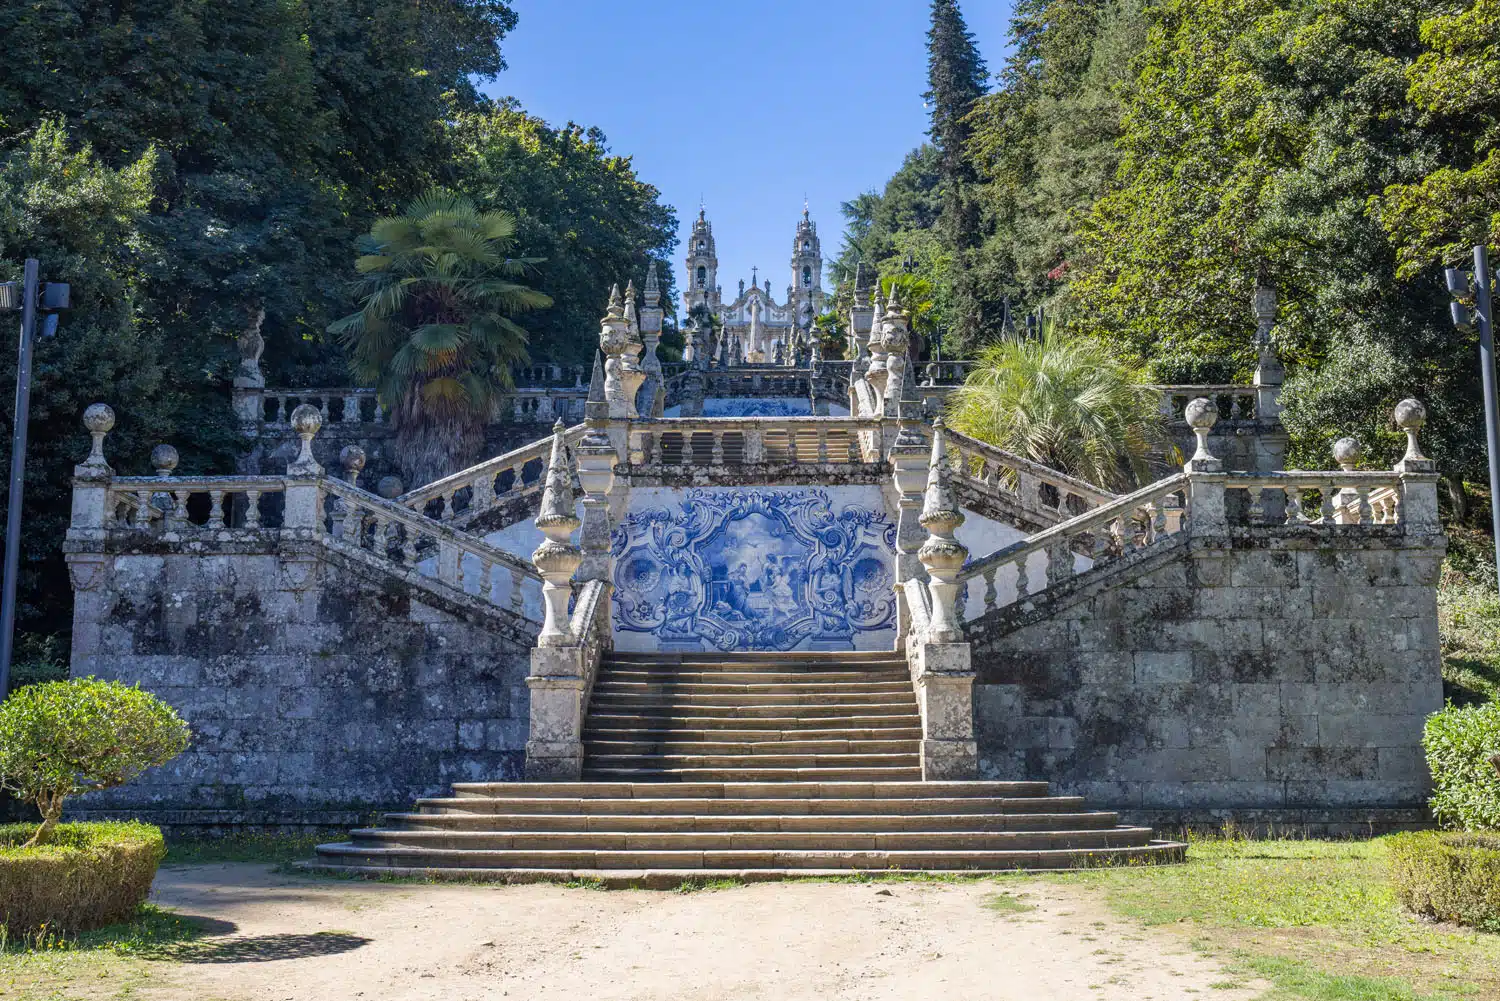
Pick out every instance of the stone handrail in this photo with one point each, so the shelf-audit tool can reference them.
(721, 441)
(356, 403)
(129, 502)
(409, 542)
(1113, 531)
(1343, 498)
(487, 483)
(1033, 486)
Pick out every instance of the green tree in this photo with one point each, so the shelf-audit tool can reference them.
(580, 208)
(957, 78)
(434, 332)
(1066, 402)
(64, 738)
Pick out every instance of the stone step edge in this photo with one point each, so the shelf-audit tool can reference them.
(673, 879)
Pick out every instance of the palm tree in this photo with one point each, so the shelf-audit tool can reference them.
(434, 332)
(1064, 402)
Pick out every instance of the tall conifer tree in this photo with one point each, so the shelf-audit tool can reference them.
(956, 79)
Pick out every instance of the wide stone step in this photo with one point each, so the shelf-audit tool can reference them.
(618, 746)
(622, 841)
(745, 690)
(870, 823)
(790, 710)
(504, 862)
(750, 790)
(737, 677)
(690, 805)
(809, 659)
(675, 735)
(748, 774)
(721, 720)
(684, 700)
(904, 759)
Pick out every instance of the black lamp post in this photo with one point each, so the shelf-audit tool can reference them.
(1462, 286)
(30, 296)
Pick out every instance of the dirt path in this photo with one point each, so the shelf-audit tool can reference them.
(305, 940)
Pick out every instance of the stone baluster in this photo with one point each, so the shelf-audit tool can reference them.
(351, 408)
(942, 554)
(557, 558)
(1418, 505)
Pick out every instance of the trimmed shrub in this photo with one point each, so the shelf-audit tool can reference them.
(1448, 875)
(1460, 742)
(88, 876)
(63, 738)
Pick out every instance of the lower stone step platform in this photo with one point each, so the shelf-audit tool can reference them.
(633, 832)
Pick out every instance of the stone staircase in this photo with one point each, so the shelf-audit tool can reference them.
(755, 766)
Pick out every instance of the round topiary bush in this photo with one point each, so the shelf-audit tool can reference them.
(64, 738)
(1449, 875)
(87, 876)
(1463, 753)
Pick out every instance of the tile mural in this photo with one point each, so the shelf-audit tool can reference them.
(755, 569)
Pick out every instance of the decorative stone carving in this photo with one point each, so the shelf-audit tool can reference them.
(557, 558)
(164, 460)
(755, 570)
(1202, 414)
(896, 341)
(942, 554)
(99, 418)
(390, 487)
(306, 422)
(1411, 416)
(352, 458)
(252, 345)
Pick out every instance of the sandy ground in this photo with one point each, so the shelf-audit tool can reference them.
(287, 938)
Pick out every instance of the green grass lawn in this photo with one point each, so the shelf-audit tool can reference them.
(1315, 918)
(108, 963)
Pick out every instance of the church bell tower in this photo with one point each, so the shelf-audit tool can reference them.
(703, 266)
(807, 273)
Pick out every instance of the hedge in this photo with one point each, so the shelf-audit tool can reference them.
(88, 876)
(1466, 786)
(1448, 875)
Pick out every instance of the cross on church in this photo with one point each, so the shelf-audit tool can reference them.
(754, 276)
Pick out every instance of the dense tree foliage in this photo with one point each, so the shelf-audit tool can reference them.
(579, 209)
(187, 164)
(1143, 164)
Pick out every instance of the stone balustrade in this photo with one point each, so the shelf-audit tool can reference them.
(336, 406)
(187, 506)
(1235, 403)
(1318, 498)
(408, 542)
(473, 491)
(1036, 490)
(753, 441)
(1097, 537)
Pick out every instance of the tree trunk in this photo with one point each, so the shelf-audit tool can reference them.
(429, 449)
(51, 809)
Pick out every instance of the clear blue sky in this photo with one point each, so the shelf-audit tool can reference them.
(749, 104)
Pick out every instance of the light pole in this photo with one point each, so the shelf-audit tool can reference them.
(29, 296)
(1460, 287)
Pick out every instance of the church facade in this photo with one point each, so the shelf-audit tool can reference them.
(754, 328)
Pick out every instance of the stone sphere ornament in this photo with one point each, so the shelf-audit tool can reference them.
(99, 418)
(352, 458)
(1347, 452)
(390, 487)
(307, 420)
(1411, 417)
(164, 459)
(1201, 414)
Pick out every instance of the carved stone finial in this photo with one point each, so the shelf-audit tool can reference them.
(307, 422)
(653, 286)
(1411, 417)
(390, 487)
(557, 558)
(352, 458)
(1347, 452)
(164, 460)
(99, 418)
(1201, 415)
(942, 554)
